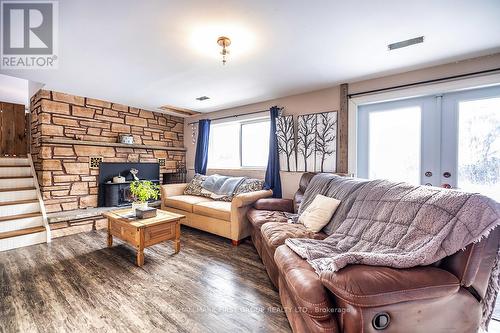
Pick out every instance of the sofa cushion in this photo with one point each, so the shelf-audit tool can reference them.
(184, 202)
(216, 209)
(274, 234)
(258, 217)
(368, 286)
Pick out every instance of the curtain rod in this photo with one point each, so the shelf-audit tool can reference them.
(423, 82)
(232, 116)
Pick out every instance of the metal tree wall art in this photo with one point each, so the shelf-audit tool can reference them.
(286, 143)
(306, 137)
(317, 142)
(326, 141)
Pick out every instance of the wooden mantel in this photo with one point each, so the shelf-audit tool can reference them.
(108, 144)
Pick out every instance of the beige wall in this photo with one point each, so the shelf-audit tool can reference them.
(328, 100)
(313, 102)
(429, 73)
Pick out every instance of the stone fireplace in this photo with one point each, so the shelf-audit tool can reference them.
(70, 135)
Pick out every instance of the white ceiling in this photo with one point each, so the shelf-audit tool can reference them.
(13, 90)
(152, 53)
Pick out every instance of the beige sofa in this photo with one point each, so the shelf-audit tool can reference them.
(226, 219)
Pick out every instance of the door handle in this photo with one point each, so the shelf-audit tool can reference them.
(446, 174)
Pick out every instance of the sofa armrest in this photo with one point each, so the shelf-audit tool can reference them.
(280, 205)
(369, 286)
(240, 227)
(245, 199)
(170, 190)
(304, 285)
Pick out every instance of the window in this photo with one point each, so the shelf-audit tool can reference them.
(223, 148)
(255, 144)
(239, 144)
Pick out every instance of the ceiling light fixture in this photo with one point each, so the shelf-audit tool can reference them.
(202, 98)
(224, 42)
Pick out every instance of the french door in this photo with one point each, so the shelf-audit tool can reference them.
(452, 140)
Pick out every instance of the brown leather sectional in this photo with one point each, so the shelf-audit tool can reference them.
(443, 297)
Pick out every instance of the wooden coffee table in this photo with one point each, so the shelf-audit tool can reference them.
(146, 232)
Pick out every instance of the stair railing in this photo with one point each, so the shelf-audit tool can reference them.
(40, 199)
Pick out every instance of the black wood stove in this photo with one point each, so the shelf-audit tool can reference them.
(118, 194)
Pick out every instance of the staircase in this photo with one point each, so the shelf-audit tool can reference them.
(23, 220)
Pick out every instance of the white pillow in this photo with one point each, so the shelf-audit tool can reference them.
(319, 212)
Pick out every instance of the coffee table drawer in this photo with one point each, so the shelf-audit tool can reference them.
(159, 233)
(128, 234)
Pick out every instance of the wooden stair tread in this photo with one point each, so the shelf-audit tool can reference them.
(19, 216)
(18, 202)
(21, 232)
(15, 189)
(14, 166)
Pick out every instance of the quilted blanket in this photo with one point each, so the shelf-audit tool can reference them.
(401, 225)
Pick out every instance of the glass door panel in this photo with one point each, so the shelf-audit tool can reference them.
(395, 141)
(471, 153)
(394, 144)
(479, 146)
(451, 141)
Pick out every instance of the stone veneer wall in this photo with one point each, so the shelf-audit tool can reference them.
(66, 180)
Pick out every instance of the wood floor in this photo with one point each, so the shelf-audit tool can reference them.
(76, 284)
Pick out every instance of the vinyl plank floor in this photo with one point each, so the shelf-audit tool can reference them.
(76, 284)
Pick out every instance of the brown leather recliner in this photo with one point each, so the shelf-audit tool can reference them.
(444, 297)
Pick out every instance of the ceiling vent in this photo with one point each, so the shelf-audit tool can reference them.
(405, 43)
(202, 98)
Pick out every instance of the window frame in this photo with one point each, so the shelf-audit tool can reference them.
(241, 123)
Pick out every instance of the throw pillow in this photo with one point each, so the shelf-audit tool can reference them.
(318, 213)
(250, 185)
(194, 187)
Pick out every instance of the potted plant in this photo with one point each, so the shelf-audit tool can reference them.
(142, 191)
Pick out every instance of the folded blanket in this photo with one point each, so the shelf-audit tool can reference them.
(222, 185)
(401, 225)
